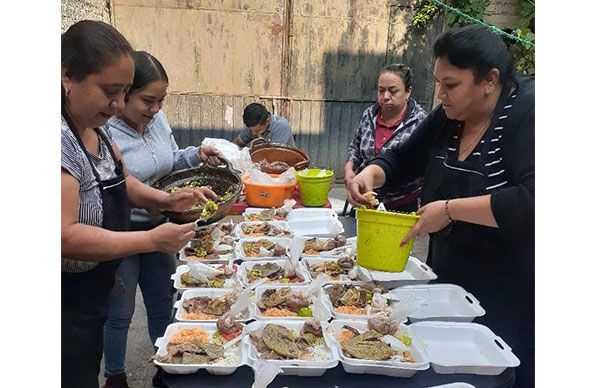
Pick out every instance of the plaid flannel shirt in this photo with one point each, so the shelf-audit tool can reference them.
(362, 148)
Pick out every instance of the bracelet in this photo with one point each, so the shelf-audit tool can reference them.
(448, 211)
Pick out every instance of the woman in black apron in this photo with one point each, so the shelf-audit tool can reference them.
(478, 184)
(97, 69)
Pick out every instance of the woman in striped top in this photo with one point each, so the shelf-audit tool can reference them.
(96, 195)
(476, 152)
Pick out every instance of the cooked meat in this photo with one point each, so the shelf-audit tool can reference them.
(383, 326)
(281, 340)
(335, 292)
(256, 339)
(367, 346)
(346, 262)
(296, 300)
(312, 326)
(279, 250)
(273, 297)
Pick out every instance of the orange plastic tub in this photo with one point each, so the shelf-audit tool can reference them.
(267, 195)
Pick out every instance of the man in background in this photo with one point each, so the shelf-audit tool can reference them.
(259, 122)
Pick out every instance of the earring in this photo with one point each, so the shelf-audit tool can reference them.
(67, 91)
(490, 91)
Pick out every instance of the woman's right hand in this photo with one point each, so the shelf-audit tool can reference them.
(171, 238)
(358, 186)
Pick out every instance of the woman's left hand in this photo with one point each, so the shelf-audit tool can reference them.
(184, 199)
(210, 155)
(433, 218)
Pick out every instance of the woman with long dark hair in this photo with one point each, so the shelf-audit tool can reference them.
(97, 193)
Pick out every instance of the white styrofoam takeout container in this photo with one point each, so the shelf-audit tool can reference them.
(298, 247)
(255, 312)
(256, 210)
(307, 261)
(280, 224)
(463, 347)
(210, 292)
(329, 304)
(293, 367)
(215, 369)
(416, 272)
(239, 248)
(310, 213)
(316, 227)
(378, 367)
(176, 277)
(454, 385)
(221, 260)
(443, 302)
(248, 265)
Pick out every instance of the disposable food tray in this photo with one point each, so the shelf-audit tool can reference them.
(176, 277)
(298, 247)
(221, 260)
(386, 368)
(328, 303)
(215, 369)
(255, 312)
(280, 224)
(416, 272)
(239, 248)
(463, 347)
(211, 292)
(316, 227)
(248, 265)
(442, 302)
(362, 274)
(309, 214)
(294, 367)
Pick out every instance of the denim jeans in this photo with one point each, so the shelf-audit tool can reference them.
(152, 271)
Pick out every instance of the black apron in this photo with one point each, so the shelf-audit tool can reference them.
(84, 295)
(479, 258)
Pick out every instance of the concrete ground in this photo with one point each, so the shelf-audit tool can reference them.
(139, 348)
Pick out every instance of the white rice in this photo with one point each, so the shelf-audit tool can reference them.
(320, 353)
(230, 357)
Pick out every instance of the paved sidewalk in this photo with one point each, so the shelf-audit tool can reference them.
(139, 348)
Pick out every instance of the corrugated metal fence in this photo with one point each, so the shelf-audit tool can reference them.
(313, 62)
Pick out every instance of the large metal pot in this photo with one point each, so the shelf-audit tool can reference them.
(220, 178)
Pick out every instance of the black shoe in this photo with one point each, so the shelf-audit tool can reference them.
(157, 380)
(116, 381)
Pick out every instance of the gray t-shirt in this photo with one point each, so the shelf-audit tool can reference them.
(279, 131)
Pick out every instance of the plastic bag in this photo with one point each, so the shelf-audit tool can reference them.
(203, 272)
(240, 159)
(256, 176)
(264, 373)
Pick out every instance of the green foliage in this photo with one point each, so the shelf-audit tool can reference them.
(524, 55)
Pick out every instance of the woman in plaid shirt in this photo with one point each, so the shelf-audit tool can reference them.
(388, 122)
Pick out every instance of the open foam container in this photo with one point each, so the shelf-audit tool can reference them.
(328, 303)
(310, 213)
(316, 227)
(255, 312)
(348, 249)
(416, 272)
(210, 292)
(248, 265)
(293, 367)
(180, 270)
(443, 302)
(239, 248)
(221, 260)
(307, 261)
(280, 224)
(448, 347)
(215, 369)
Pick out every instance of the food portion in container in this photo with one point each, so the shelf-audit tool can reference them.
(205, 276)
(355, 299)
(265, 215)
(263, 248)
(285, 302)
(274, 272)
(343, 268)
(210, 243)
(191, 346)
(383, 341)
(264, 229)
(316, 246)
(277, 342)
(209, 308)
(277, 164)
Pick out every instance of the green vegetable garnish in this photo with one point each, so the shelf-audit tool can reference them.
(305, 312)
(404, 338)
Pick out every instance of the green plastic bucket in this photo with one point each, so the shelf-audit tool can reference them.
(314, 186)
(378, 237)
